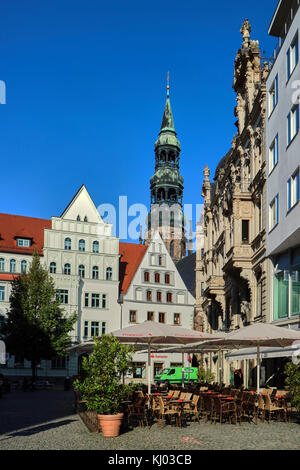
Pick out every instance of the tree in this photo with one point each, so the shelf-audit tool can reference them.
(36, 327)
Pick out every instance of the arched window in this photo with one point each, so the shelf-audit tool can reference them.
(85, 219)
(81, 245)
(52, 268)
(95, 273)
(157, 277)
(158, 296)
(95, 247)
(81, 270)
(23, 266)
(149, 295)
(78, 218)
(2, 265)
(172, 219)
(68, 244)
(67, 269)
(108, 274)
(172, 249)
(12, 266)
(160, 219)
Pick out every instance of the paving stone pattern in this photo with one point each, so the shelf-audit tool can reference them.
(45, 420)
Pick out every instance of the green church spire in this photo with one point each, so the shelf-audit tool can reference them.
(168, 120)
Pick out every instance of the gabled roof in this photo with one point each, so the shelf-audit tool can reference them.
(131, 256)
(186, 268)
(82, 205)
(18, 226)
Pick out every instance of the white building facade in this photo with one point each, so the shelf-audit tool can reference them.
(153, 290)
(83, 258)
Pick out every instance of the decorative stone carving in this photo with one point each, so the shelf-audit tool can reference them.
(240, 112)
(246, 311)
(245, 31)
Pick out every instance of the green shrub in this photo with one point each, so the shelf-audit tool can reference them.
(100, 385)
(292, 380)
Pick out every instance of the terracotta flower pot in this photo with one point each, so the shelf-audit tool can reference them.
(110, 424)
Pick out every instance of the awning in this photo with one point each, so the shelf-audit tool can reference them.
(266, 353)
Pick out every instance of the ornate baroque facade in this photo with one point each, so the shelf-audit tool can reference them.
(231, 270)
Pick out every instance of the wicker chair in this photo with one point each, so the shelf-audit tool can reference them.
(224, 408)
(192, 408)
(166, 413)
(154, 406)
(138, 411)
(207, 407)
(274, 408)
(249, 406)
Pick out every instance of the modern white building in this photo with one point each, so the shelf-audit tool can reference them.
(283, 150)
(152, 289)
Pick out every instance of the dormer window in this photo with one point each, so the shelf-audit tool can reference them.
(85, 219)
(24, 242)
(78, 218)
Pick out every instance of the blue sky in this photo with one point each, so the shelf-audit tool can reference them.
(86, 89)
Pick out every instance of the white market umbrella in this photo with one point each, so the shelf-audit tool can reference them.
(151, 333)
(258, 334)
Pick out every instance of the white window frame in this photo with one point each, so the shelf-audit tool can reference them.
(273, 95)
(2, 293)
(274, 212)
(293, 120)
(292, 57)
(273, 154)
(293, 190)
(24, 242)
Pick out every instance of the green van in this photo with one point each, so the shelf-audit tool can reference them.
(173, 375)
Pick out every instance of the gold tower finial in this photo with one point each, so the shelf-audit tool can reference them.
(168, 83)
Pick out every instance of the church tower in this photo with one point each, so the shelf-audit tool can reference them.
(166, 186)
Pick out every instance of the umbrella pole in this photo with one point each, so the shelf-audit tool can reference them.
(182, 379)
(222, 367)
(149, 369)
(258, 369)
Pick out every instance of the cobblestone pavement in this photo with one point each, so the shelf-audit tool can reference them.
(45, 420)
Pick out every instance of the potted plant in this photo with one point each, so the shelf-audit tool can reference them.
(100, 384)
(205, 376)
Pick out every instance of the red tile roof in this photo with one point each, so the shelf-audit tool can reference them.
(8, 277)
(130, 259)
(18, 226)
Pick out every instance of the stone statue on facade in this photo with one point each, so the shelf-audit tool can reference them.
(245, 31)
